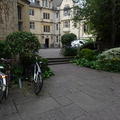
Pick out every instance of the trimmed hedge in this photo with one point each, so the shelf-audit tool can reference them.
(66, 39)
(68, 51)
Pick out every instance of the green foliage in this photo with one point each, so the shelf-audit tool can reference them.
(2, 45)
(88, 54)
(106, 65)
(44, 66)
(47, 74)
(110, 54)
(110, 65)
(101, 16)
(68, 38)
(22, 43)
(67, 51)
(17, 72)
(101, 62)
(4, 53)
(90, 45)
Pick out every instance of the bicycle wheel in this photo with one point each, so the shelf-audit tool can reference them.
(6, 92)
(38, 84)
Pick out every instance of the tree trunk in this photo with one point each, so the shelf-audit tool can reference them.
(113, 38)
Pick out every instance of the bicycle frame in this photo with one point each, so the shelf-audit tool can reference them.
(37, 71)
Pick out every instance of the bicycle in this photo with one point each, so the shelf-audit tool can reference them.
(4, 79)
(37, 79)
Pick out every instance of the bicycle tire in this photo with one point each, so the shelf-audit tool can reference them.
(6, 92)
(37, 86)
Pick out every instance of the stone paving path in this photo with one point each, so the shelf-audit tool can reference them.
(50, 53)
(74, 93)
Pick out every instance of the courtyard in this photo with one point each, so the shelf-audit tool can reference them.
(74, 93)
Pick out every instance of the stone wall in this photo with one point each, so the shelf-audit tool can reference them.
(8, 17)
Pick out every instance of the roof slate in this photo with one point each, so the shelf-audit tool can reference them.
(57, 2)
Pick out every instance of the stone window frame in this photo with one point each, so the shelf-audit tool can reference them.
(66, 24)
(32, 25)
(46, 15)
(31, 12)
(46, 28)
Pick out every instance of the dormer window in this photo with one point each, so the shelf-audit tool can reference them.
(67, 11)
(46, 3)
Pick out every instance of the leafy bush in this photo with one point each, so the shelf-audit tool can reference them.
(87, 54)
(48, 73)
(22, 43)
(107, 62)
(17, 72)
(4, 53)
(68, 38)
(110, 64)
(67, 51)
(90, 45)
(28, 60)
(2, 45)
(25, 44)
(110, 54)
(23, 70)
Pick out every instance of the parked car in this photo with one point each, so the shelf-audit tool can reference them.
(77, 43)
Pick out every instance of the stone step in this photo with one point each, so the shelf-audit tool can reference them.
(54, 61)
(57, 63)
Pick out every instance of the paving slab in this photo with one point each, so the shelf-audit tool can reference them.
(51, 53)
(74, 93)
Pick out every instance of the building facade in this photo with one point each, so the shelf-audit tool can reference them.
(67, 24)
(45, 22)
(13, 16)
(50, 19)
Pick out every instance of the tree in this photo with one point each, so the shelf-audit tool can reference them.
(68, 38)
(101, 15)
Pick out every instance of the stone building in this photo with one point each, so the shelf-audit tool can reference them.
(67, 24)
(50, 19)
(13, 16)
(45, 22)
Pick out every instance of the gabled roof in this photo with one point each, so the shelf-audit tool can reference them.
(57, 3)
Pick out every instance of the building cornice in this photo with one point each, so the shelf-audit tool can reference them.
(26, 1)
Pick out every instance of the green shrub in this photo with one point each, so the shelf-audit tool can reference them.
(110, 65)
(87, 54)
(17, 72)
(69, 51)
(28, 60)
(2, 45)
(22, 43)
(47, 74)
(4, 53)
(89, 45)
(68, 38)
(110, 54)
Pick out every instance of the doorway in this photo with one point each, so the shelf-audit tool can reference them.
(47, 43)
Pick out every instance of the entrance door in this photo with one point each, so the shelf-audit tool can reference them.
(47, 43)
